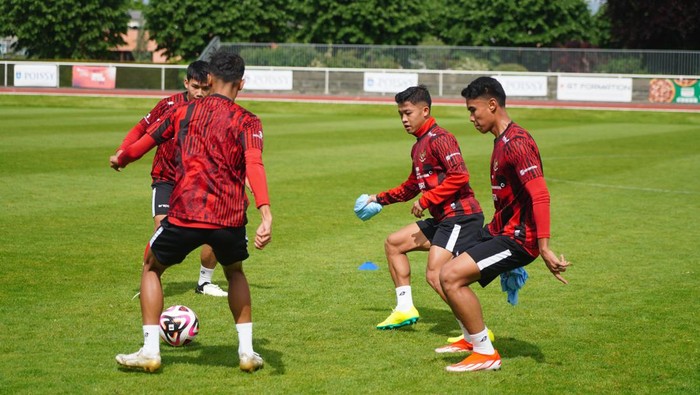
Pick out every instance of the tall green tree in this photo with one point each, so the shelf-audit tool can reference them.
(390, 22)
(67, 29)
(654, 24)
(184, 28)
(508, 23)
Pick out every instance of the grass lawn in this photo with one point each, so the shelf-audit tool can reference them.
(625, 208)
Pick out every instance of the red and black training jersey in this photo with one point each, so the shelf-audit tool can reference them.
(439, 172)
(215, 139)
(515, 161)
(163, 169)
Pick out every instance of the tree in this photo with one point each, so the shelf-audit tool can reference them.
(508, 23)
(394, 22)
(654, 24)
(183, 29)
(66, 29)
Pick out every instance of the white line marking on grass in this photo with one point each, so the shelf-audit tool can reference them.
(628, 188)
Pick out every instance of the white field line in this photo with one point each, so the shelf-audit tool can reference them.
(624, 187)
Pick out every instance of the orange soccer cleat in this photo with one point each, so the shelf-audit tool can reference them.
(477, 361)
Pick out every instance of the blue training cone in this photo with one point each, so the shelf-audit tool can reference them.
(368, 266)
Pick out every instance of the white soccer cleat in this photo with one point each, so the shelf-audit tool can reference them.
(139, 360)
(250, 362)
(210, 289)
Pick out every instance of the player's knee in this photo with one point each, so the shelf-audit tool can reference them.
(433, 279)
(392, 244)
(449, 281)
(233, 270)
(151, 264)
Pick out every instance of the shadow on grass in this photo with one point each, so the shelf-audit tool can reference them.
(443, 323)
(221, 355)
(440, 321)
(173, 288)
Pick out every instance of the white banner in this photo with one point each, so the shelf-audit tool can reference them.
(594, 89)
(36, 75)
(522, 85)
(268, 80)
(389, 82)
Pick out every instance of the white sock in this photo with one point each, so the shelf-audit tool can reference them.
(404, 298)
(205, 275)
(245, 338)
(482, 343)
(151, 339)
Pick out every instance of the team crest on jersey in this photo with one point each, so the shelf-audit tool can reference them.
(422, 156)
(495, 166)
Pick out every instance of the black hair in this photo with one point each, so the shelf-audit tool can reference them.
(198, 71)
(227, 66)
(487, 87)
(414, 95)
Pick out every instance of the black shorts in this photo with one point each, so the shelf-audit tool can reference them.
(496, 255)
(455, 234)
(160, 200)
(171, 243)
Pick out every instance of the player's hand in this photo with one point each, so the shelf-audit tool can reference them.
(417, 210)
(114, 161)
(555, 265)
(263, 235)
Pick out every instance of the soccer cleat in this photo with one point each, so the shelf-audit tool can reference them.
(458, 346)
(139, 360)
(210, 289)
(477, 361)
(492, 337)
(398, 319)
(250, 362)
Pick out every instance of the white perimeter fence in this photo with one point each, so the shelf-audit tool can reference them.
(594, 87)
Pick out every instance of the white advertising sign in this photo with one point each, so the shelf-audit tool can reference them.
(36, 75)
(269, 80)
(522, 85)
(389, 82)
(594, 89)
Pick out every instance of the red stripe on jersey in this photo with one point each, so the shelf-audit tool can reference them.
(212, 136)
(515, 161)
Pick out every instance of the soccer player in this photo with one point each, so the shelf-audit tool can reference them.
(163, 172)
(219, 146)
(519, 231)
(438, 172)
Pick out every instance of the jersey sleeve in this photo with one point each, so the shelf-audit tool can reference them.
(136, 150)
(537, 189)
(142, 126)
(255, 170)
(402, 193)
(158, 132)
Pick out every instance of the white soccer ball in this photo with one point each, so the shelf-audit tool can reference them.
(178, 325)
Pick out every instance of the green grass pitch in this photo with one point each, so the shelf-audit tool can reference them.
(625, 210)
